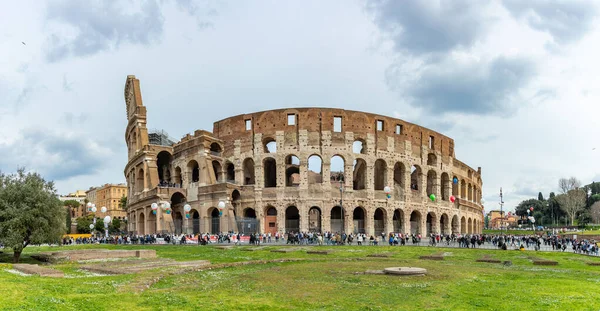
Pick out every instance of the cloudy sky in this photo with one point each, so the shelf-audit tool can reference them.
(515, 83)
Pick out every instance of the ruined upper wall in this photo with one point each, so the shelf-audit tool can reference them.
(317, 120)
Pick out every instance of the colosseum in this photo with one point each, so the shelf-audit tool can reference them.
(301, 169)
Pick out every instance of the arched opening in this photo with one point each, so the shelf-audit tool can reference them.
(399, 180)
(431, 159)
(315, 169)
(431, 182)
(470, 226)
(230, 168)
(359, 174)
(463, 225)
(133, 143)
(139, 183)
(415, 222)
(380, 174)
(178, 222)
(217, 170)
(358, 217)
(271, 220)
(215, 149)
(430, 224)
(292, 171)
(195, 221)
(398, 221)
(177, 199)
(248, 171)
(445, 187)
(193, 171)
(455, 186)
(415, 178)
(359, 146)
(455, 228)
(215, 221)
(314, 219)
(336, 171)
(270, 146)
(141, 224)
(163, 165)
(177, 177)
(444, 225)
(249, 213)
(151, 224)
(470, 192)
(236, 197)
(270, 172)
(292, 219)
(463, 189)
(336, 219)
(379, 221)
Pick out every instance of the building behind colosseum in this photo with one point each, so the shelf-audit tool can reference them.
(304, 169)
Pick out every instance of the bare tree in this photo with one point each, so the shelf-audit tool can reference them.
(572, 202)
(567, 185)
(595, 211)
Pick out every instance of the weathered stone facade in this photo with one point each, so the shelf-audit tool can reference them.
(307, 169)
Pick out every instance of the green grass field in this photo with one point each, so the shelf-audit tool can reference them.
(317, 282)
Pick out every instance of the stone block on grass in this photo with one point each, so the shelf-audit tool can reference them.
(41, 271)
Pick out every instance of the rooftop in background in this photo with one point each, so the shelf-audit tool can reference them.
(160, 138)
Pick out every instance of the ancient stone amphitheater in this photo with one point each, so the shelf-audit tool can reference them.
(303, 169)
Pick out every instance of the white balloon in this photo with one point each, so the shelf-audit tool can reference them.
(94, 209)
(221, 205)
(107, 219)
(387, 189)
(154, 206)
(94, 205)
(103, 209)
(166, 206)
(89, 205)
(187, 208)
(91, 226)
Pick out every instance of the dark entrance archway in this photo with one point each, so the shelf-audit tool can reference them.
(314, 219)
(292, 219)
(271, 220)
(195, 221)
(215, 221)
(379, 221)
(358, 217)
(336, 223)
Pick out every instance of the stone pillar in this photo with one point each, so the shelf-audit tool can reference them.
(303, 212)
(147, 212)
(326, 172)
(406, 222)
(369, 223)
(389, 221)
(423, 226)
(303, 167)
(146, 175)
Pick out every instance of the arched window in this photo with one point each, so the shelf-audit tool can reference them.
(217, 170)
(248, 171)
(292, 171)
(336, 170)
(270, 146)
(315, 169)
(359, 146)
(415, 178)
(215, 149)
(431, 182)
(359, 174)
(270, 172)
(194, 171)
(431, 159)
(380, 174)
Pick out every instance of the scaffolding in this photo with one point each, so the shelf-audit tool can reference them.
(160, 138)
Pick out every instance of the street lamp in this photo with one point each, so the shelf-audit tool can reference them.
(342, 209)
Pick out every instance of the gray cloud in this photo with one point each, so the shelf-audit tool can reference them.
(101, 26)
(57, 156)
(565, 21)
(421, 27)
(203, 11)
(471, 88)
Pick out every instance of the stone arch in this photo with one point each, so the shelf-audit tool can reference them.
(359, 174)
(398, 221)
(151, 223)
(469, 192)
(292, 171)
(270, 172)
(445, 187)
(133, 146)
(195, 215)
(359, 146)
(230, 171)
(455, 186)
(249, 212)
(163, 164)
(177, 199)
(444, 224)
(358, 218)
(292, 219)
(431, 182)
(215, 220)
(314, 219)
(379, 221)
(248, 165)
(463, 225)
(415, 178)
(399, 180)
(337, 219)
(178, 222)
(193, 171)
(380, 174)
(141, 224)
(270, 219)
(415, 222)
(431, 159)
(463, 189)
(470, 226)
(455, 226)
(177, 176)
(336, 170)
(315, 169)
(431, 224)
(269, 145)
(217, 170)
(216, 149)
(139, 183)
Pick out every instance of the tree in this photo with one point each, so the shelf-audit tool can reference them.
(567, 185)
(30, 212)
(595, 212)
(521, 209)
(540, 197)
(83, 223)
(68, 220)
(115, 227)
(572, 202)
(595, 187)
(123, 202)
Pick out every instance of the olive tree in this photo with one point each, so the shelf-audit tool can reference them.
(30, 212)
